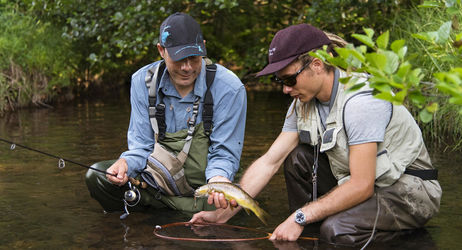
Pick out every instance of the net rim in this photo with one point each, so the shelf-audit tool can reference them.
(186, 223)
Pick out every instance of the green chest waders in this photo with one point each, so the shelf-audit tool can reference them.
(193, 168)
(177, 164)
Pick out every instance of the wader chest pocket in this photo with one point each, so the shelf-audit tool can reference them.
(386, 173)
(329, 138)
(304, 137)
(165, 173)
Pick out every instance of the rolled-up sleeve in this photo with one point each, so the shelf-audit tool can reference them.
(227, 137)
(140, 136)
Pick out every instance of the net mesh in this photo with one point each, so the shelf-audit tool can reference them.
(208, 232)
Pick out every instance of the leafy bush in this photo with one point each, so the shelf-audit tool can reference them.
(398, 71)
(118, 36)
(435, 48)
(34, 61)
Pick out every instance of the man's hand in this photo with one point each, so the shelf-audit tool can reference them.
(119, 168)
(218, 199)
(288, 230)
(217, 216)
(206, 216)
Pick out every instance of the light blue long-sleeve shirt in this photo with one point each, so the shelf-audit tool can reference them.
(229, 115)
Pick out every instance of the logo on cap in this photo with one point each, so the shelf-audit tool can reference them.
(165, 35)
(271, 51)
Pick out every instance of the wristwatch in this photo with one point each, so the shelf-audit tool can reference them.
(300, 217)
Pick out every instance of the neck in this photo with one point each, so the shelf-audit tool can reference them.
(183, 90)
(327, 86)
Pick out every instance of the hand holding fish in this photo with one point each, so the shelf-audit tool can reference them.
(230, 191)
(220, 201)
(217, 198)
(219, 215)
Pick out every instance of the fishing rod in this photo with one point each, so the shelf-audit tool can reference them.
(61, 160)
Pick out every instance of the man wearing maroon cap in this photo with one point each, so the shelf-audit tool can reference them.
(363, 157)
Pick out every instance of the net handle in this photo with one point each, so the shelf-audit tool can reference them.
(157, 228)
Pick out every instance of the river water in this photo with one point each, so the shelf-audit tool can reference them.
(43, 206)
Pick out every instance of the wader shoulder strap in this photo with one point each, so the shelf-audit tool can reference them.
(207, 113)
(157, 112)
(152, 81)
(183, 154)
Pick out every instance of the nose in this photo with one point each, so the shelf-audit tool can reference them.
(286, 89)
(186, 64)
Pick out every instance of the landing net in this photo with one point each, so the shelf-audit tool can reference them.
(186, 231)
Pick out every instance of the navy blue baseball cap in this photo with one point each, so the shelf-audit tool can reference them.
(291, 42)
(181, 35)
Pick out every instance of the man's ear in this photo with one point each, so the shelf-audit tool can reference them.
(161, 50)
(317, 65)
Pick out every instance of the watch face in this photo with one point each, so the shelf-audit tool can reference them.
(300, 217)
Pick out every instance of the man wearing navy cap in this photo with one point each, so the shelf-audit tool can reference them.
(354, 162)
(180, 106)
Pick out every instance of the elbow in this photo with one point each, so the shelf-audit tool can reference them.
(367, 190)
(364, 189)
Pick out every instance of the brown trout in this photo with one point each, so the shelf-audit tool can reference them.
(233, 192)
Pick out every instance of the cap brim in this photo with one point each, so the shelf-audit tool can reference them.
(276, 66)
(180, 52)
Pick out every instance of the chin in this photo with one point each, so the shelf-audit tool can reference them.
(185, 82)
(305, 99)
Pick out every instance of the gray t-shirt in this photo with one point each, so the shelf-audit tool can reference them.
(366, 118)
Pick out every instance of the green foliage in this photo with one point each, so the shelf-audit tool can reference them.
(393, 76)
(389, 69)
(451, 83)
(429, 52)
(32, 66)
(421, 69)
(118, 36)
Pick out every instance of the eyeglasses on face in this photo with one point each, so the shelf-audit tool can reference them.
(291, 80)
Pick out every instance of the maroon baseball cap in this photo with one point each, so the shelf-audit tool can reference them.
(291, 42)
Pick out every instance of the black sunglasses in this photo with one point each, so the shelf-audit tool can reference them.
(291, 80)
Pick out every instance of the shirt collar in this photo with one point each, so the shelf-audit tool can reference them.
(334, 88)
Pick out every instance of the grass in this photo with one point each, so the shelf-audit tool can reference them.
(34, 61)
(445, 130)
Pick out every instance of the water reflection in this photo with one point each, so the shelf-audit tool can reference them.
(45, 207)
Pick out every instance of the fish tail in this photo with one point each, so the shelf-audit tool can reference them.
(261, 214)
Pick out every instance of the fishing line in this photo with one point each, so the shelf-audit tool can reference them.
(61, 160)
(375, 224)
(176, 224)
